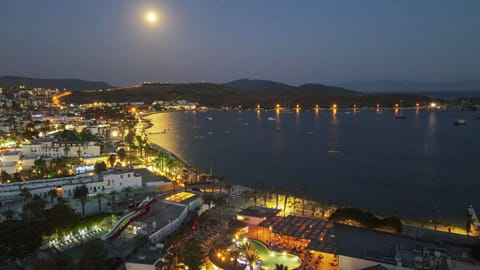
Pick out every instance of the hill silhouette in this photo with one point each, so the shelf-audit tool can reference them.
(69, 84)
(217, 95)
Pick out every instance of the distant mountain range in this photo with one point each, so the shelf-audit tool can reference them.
(69, 84)
(249, 93)
(265, 85)
(390, 86)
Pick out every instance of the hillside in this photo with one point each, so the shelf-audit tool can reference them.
(257, 85)
(69, 84)
(216, 95)
(389, 86)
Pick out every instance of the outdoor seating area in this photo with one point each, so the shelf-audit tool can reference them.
(206, 235)
(76, 238)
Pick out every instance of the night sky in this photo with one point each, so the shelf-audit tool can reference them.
(222, 40)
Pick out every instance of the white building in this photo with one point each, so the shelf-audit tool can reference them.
(9, 162)
(114, 180)
(55, 149)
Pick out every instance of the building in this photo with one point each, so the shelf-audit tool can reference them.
(54, 149)
(10, 162)
(155, 257)
(112, 180)
(254, 215)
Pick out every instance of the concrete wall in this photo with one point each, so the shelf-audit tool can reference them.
(169, 228)
(138, 266)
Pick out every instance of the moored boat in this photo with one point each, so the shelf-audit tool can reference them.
(460, 122)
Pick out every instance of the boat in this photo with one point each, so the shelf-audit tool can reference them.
(210, 118)
(460, 122)
(271, 119)
(400, 117)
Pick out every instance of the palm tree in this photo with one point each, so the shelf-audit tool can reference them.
(303, 193)
(111, 159)
(281, 267)
(66, 149)
(53, 194)
(25, 193)
(255, 193)
(251, 253)
(285, 204)
(235, 254)
(220, 202)
(276, 190)
(8, 214)
(81, 193)
(99, 198)
(246, 195)
(229, 189)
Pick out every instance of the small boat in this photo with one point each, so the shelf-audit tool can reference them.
(271, 119)
(400, 117)
(460, 122)
(210, 118)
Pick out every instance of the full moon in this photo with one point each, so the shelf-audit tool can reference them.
(151, 17)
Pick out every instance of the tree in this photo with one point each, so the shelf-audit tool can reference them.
(94, 257)
(246, 196)
(192, 255)
(81, 193)
(122, 154)
(100, 166)
(285, 204)
(40, 166)
(8, 214)
(303, 193)
(468, 223)
(111, 159)
(52, 193)
(275, 191)
(281, 267)
(229, 189)
(220, 202)
(25, 193)
(58, 262)
(250, 252)
(5, 176)
(235, 254)
(127, 191)
(62, 217)
(66, 149)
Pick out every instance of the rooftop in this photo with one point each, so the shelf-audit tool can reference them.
(148, 176)
(258, 211)
(319, 231)
(161, 213)
(179, 197)
(147, 255)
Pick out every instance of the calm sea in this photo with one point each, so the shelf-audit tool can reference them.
(419, 167)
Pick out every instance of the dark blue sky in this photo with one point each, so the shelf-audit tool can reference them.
(285, 40)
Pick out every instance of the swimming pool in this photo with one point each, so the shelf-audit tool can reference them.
(271, 257)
